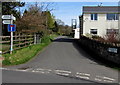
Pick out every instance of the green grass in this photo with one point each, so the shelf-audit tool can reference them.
(25, 54)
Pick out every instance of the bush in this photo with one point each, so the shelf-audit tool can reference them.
(88, 35)
(98, 38)
(112, 38)
(45, 39)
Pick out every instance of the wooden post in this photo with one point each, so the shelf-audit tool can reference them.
(19, 39)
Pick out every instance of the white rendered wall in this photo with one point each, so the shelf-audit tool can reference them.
(101, 24)
(77, 33)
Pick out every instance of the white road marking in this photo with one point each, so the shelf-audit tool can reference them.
(65, 73)
(106, 78)
(107, 81)
(62, 71)
(109, 78)
(86, 74)
(83, 77)
(38, 71)
(97, 79)
(44, 69)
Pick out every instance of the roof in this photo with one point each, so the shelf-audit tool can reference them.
(101, 9)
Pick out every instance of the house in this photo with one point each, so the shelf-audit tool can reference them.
(77, 33)
(99, 20)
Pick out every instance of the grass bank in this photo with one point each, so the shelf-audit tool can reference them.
(25, 54)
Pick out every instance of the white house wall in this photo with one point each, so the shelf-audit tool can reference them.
(101, 24)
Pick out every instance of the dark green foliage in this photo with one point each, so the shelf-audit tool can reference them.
(10, 8)
(56, 27)
(45, 39)
(50, 20)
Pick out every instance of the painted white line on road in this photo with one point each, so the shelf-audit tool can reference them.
(109, 78)
(86, 74)
(38, 71)
(62, 71)
(97, 79)
(83, 77)
(18, 70)
(43, 69)
(64, 74)
(106, 78)
(108, 81)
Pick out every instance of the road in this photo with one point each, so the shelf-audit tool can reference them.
(61, 62)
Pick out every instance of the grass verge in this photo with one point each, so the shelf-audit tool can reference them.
(23, 55)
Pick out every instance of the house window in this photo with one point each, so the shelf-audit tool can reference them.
(112, 16)
(112, 31)
(93, 31)
(94, 16)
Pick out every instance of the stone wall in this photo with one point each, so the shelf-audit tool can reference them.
(109, 51)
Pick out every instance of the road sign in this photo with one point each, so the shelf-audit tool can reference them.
(113, 50)
(11, 28)
(6, 21)
(8, 17)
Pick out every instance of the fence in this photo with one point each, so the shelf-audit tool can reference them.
(19, 41)
(109, 51)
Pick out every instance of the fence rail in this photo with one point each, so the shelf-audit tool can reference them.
(19, 41)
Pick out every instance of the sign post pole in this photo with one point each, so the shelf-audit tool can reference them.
(11, 46)
(8, 19)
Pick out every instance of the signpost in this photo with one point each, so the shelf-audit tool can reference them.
(8, 19)
(11, 28)
(113, 50)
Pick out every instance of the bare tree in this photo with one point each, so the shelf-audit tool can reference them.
(34, 19)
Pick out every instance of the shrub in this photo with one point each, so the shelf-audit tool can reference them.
(98, 38)
(45, 39)
(112, 38)
(88, 35)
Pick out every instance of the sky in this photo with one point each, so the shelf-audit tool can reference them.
(66, 11)
(72, 10)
